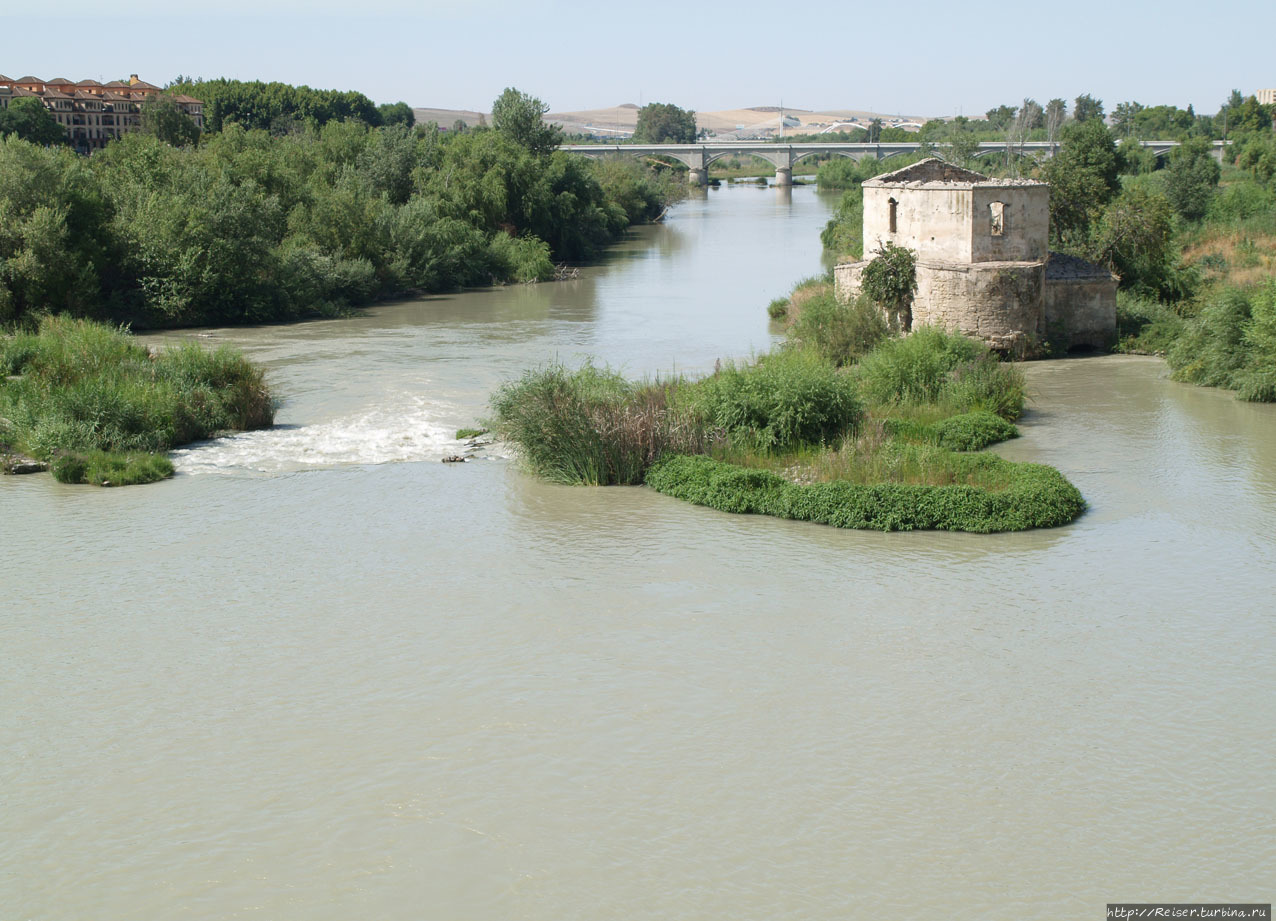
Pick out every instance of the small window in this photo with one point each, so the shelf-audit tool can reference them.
(891, 219)
(997, 218)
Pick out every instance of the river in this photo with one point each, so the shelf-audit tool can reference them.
(320, 675)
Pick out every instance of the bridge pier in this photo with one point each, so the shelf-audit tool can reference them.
(698, 176)
(784, 175)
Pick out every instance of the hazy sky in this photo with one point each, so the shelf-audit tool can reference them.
(920, 57)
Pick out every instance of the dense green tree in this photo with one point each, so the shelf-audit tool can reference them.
(1124, 117)
(1001, 117)
(520, 117)
(665, 123)
(164, 119)
(27, 117)
(396, 113)
(1191, 178)
(1135, 238)
(1258, 155)
(1056, 112)
(1086, 108)
(255, 104)
(1083, 177)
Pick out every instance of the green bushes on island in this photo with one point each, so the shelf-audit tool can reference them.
(881, 443)
(1034, 496)
(100, 408)
(591, 426)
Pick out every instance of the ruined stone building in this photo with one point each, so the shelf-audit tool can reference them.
(94, 113)
(984, 267)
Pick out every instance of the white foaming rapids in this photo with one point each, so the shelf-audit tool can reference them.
(407, 429)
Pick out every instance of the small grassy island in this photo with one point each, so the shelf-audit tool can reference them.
(843, 425)
(95, 406)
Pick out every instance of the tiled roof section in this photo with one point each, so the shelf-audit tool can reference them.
(188, 99)
(29, 80)
(932, 169)
(87, 83)
(115, 97)
(1062, 266)
(143, 85)
(115, 83)
(54, 94)
(4, 79)
(59, 81)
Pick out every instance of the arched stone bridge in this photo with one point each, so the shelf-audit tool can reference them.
(698, 157)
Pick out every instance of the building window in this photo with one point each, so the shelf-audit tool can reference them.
(997, 218)
(892, 205)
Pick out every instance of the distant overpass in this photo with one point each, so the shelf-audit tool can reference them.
(698, 157)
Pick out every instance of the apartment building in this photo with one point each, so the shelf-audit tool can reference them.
(94, 113)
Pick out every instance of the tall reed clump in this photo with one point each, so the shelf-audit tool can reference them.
(931, 366)
(839, 333)
(102, 409)
(1232, 344)
(780, 400)
(591, 426)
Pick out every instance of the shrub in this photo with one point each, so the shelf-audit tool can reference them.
(524, 259)
(103, 468)
(83, 388)
(917, 367)
(889, 280)
(782, 399)
(1036, 497)
(839, 333)
(986, 385)
(1231, 343)
(973, 431)
(1144, 325)
(591, 426)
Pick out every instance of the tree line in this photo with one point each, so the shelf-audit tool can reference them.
(253, 224)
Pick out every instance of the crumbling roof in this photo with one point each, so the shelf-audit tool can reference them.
(935, 170)
(1062, 266)
(932, 169)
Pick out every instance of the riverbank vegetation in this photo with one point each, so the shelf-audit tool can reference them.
(253, 225)
(98, 407)
(880, 439)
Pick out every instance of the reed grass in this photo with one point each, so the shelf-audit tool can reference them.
(94, 402)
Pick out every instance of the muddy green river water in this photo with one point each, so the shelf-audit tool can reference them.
(320, 675)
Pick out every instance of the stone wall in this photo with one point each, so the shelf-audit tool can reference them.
(1082, 311)
(1025, 223)
(998, 302)
(931, 221)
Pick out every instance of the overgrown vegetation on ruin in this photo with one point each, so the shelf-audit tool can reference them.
(98, 407)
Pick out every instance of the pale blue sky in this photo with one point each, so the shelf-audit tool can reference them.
(922, 57)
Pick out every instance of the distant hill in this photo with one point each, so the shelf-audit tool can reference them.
(620, 120)
(446, 118)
